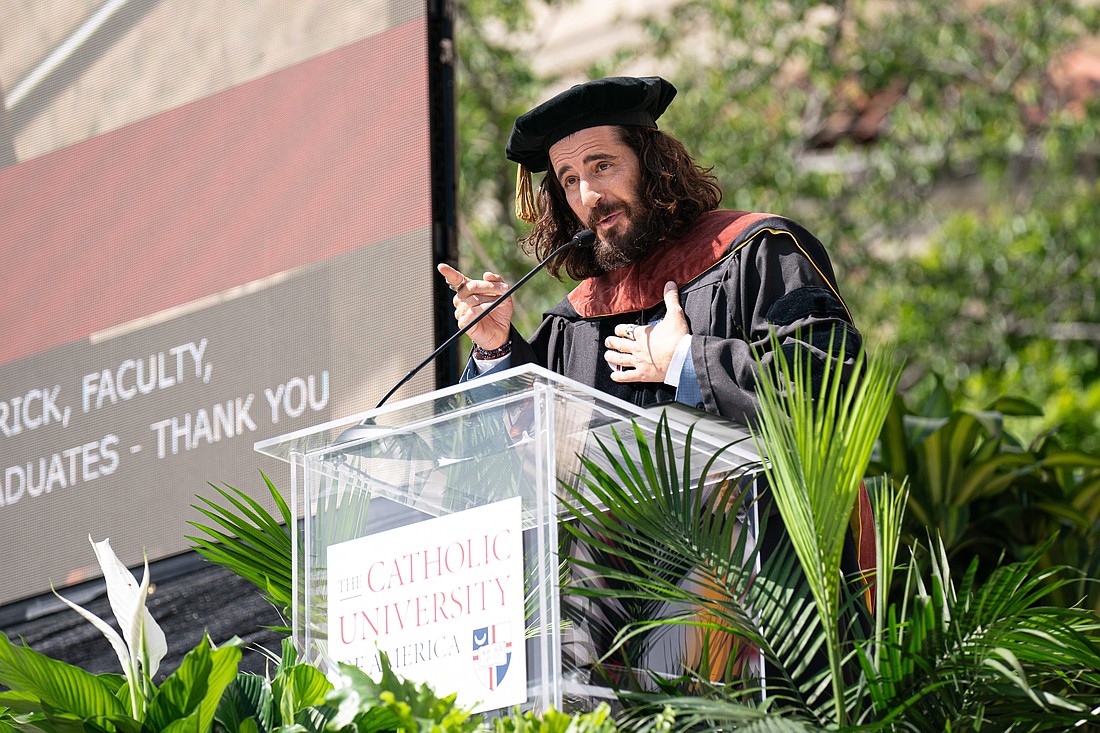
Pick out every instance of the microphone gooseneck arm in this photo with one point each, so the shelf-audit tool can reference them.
(584, 237)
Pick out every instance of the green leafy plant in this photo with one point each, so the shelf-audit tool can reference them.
(392, 704)
(962, 654)
(45, 694)
(598, 720)
(955, 652)
(986, 494)
(293, 699)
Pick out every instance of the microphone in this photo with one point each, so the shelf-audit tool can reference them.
(583, 238)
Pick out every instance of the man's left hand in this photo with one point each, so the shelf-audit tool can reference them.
(642, 353)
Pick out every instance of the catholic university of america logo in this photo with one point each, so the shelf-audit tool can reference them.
(492, 653)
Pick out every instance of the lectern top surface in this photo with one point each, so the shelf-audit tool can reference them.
(493, 392)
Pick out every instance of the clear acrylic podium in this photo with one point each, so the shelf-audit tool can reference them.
(369, 485)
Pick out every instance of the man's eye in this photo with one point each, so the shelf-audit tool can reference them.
(569, 182)
(603, 166)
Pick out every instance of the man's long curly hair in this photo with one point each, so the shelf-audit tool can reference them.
(678, 190)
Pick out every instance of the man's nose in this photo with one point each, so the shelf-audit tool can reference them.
(589, 197)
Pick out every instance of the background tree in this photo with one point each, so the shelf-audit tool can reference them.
(496, 83)
(940, 150)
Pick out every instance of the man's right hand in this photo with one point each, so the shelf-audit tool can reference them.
(472, 297)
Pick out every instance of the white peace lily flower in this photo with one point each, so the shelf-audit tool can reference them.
(144, 637)
(142, 644)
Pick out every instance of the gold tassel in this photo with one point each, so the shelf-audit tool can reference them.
(525, 196)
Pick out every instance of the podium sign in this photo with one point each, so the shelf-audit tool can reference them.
(445, 594)
(429, 531)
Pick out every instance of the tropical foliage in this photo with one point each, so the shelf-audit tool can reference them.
(206, 692)
(293, 696)
(775, 620)
(299, 698)
(249, 541)
(391, 704)
(989, 496)
(45, 694)
(773, 636)
(598, 720)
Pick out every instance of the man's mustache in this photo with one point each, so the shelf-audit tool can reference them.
(603, 209)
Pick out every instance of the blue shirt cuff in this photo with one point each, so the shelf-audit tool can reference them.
(687, 388)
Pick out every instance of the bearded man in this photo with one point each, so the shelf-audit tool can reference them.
(677, 298)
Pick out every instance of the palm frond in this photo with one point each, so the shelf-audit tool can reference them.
(977, 651)
(819, 443)
(664, 554)
(249, 541)
(960, 649)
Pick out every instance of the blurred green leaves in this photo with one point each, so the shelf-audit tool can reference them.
(933, 148)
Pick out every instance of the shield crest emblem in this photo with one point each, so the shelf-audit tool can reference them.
(492, 653)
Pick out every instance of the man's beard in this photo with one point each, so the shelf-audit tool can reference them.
(641, 236)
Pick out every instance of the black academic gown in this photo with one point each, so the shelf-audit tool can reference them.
(740, 276)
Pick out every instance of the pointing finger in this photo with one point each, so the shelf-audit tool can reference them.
(454, 278)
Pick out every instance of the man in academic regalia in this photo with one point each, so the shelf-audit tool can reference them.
(677, 299)
(675, 295)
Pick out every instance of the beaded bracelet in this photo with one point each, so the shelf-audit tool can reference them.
(487, 354)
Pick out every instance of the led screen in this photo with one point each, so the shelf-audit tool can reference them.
(215, 227)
